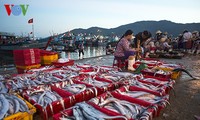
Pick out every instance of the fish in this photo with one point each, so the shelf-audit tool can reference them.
(112, 78)
(126, 108)
(75, 88)
(95, 113)
(43, 96)
(3, 88)
(155, 80)
(23, 105)
(11, 105)
(96, 82)
(77, 114)
(111, 107)
(144, 96)
(2, 77)
(4, 106)
(122, 110)
(17, 105)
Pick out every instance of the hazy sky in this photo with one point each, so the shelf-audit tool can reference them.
(59, 16)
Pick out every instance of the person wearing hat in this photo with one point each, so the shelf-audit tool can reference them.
(165, 35)
(124, 51)
(196, 42)
(140, 40)
(180, 41)
(187, 43)
(158, 35)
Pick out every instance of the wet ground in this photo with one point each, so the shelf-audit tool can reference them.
(184, 101)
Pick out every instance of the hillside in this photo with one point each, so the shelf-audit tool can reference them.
(163, 25)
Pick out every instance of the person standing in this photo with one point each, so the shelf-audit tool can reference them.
(124, 51)
(140, 40)
(81, 49)
(187, 43)
(196, 42)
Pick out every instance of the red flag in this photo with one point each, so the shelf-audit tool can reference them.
(30, 21)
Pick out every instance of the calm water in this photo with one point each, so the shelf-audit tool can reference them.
(88, 52)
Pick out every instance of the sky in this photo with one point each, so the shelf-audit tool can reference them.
(58, 16)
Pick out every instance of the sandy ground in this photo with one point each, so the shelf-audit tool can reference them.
(184, 101)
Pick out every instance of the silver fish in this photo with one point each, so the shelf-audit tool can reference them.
(4, 106)
(3, 88)
(23, 105)
(77, 114)
(97, 114)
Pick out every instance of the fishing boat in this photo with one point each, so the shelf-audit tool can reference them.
(10, 42)
(64, 43)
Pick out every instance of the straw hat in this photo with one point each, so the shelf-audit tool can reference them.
(194, 32)
(158, 32)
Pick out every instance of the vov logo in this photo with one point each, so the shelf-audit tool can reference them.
(16, 10)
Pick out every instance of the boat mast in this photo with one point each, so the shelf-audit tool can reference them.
(33, 30)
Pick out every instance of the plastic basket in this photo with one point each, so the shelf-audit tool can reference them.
(160, 105)
(23, 69)
(26, 57)
(29, 66)
(145, 72)
(49, 57)
(23, 115)
(78, 97)
(56, 106)
(69, 112)
(49, 60)
(69, 63)
(121, 97)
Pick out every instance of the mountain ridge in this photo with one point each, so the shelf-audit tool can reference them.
(164, 25)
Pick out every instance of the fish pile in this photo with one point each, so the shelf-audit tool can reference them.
(36, 86)
(159, 88)
(84, 111)
(153, 80)
(145, 96)
(42, 96)
(11, 104)
(152, 62)
(72, 68)
(3, 88)
(1, 77)
(160, 83)
(125, 108)
(39, 78)
(117, 76)
(74, 88)
(96, 83)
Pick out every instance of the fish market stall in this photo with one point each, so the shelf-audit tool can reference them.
(85, 91)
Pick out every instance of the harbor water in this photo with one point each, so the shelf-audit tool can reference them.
(7, 62)
(88, 53)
